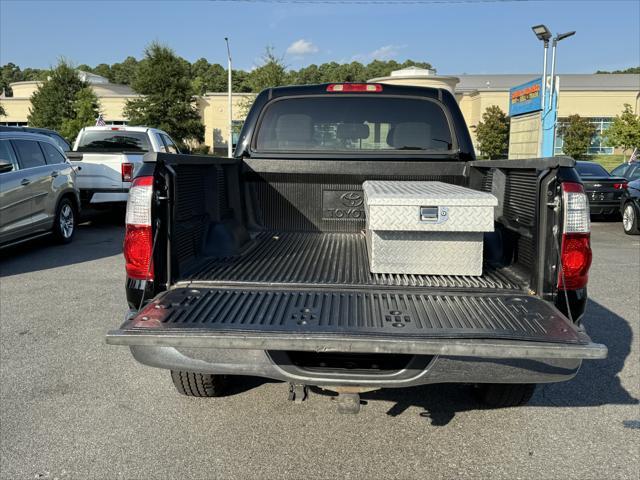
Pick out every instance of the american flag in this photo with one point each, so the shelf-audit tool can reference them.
(100, 121)
(634, 156)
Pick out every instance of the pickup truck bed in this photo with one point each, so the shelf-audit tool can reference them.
(289, 281)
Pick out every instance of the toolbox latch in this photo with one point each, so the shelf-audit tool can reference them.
(434, 214)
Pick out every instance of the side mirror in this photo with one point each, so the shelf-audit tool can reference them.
(5, 166)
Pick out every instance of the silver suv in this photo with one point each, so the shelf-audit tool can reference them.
(38, 194)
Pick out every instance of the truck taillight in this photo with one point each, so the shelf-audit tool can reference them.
(575, 251)
(138, 237)
(127, 171)
(620, 186)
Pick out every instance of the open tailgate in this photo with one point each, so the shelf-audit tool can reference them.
(374, 321)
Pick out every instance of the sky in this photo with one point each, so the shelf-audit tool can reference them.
(455, 36)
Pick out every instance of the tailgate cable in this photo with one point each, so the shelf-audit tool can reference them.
(153, 249)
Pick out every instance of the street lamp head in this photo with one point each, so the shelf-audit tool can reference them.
(562, 36)
(542, 32)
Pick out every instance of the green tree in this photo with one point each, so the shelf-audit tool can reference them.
(9, 73)
(577, 134)
(86, 108)
(121, 72)
(626, 70)
(306, 76)
(207, 77)
(53, 101)
(240, 80)
(492, 133)
(2, 112)
(168, 102)
(624, 131)
(272, 72)
(103, 70)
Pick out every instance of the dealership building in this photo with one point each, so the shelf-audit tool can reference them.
(598, 97)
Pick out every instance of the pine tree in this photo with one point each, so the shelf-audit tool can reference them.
(168, 100)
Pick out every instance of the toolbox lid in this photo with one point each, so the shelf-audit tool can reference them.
(380, 192)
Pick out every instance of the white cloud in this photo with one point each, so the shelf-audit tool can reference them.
(302, 47)
(386, 52)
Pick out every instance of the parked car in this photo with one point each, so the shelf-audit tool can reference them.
(630, 201)
(603, 190)
(59, 139)
(257, 265)
(108, 158)
(38, 193)
(627, 170)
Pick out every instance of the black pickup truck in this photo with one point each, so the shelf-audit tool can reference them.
(257, 264)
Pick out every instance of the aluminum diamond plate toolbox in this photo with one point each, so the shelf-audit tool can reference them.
(426, 228)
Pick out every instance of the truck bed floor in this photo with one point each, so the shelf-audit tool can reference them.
(317, 259)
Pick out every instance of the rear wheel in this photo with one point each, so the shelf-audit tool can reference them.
(194, 384)
(503, 395)
(630, 219)
(64, 224)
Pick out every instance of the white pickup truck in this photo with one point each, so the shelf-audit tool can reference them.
(109, 157)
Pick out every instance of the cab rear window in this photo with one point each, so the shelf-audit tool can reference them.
(114, 141)
(354, 123)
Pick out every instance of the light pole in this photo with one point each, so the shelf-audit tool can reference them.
(560, 36)
(230, 140)
(543, 34)
(549, 108)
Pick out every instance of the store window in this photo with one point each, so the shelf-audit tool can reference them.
(13, 124)
(597, 146)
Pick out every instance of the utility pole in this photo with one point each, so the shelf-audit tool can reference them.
(230, 99)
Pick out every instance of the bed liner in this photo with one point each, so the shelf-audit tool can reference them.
(323, 259)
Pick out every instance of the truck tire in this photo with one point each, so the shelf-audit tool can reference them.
(630, 222)
(504, 395)
(194, 384)
(64, 223)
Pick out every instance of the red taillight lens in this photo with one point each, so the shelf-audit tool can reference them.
(575, 251)
(138, 243)
(620, 186)
(127, 171)
(138, 238)
(576, 259)
(354, 87)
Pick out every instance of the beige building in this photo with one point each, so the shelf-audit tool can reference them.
(598, 97)
(214, 110)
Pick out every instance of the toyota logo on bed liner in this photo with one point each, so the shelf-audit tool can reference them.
(342, 205)
(352, 199)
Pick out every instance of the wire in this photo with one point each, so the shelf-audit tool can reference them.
(403, 2)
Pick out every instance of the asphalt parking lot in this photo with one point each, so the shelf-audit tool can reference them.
(73, 407)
